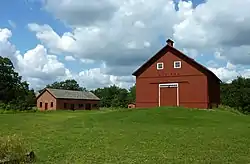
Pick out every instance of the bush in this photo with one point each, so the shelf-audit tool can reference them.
(14, 108)
(13, 148)
(237, 94)
(230, 109)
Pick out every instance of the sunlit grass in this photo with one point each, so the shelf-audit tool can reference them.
(161, 135)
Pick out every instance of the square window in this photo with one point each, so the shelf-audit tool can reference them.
(177, 64)
(159, 66)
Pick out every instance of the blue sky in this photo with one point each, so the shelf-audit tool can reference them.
(26, 20)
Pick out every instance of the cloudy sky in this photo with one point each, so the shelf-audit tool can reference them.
(101, 42)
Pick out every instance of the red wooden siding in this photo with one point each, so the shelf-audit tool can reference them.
(195, 89)
(76, 103)
(46, 98)
(168, 96)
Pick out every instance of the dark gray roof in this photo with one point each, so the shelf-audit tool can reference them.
(70, 94)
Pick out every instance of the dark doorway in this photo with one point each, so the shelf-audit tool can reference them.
(88, 107)
(72, 107)
(46, 106)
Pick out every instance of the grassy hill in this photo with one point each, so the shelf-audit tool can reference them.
(161, 135)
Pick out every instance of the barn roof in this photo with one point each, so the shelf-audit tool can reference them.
(163, 51)
(70, 94)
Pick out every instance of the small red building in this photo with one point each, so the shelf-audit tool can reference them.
(171, 78)
(54, 99)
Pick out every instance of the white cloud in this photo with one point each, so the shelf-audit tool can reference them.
(78, 12)
(125, 39)
(230, 66)
(124, 34)
(6, 48)
(34, 64)
(213, 25)
(96, 77)
(39, 67)
(5, 34)
(51, 39)
(225, 74)
(87, 61)
(37, 63)
(69, 58)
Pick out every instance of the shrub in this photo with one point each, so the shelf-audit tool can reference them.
(13, 148)
(16, 107)
(230, 109)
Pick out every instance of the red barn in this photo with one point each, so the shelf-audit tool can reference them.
(171, 78)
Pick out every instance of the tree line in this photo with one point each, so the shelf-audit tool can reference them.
(16, 95)
(236, 94)
(112, 96)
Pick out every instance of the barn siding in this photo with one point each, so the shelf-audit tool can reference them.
(60, 103)
(193, 90)
(46, 97)
(214, 92)
(169, 70)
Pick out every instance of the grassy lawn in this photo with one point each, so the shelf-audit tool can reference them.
(133, 136)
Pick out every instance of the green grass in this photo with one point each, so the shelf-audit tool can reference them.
(133, 136)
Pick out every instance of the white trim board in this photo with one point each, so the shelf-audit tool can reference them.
(171, 85)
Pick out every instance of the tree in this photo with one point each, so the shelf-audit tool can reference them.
(69, 84)
(237, 94)
(132, 94)
(13, 91)
(114, 96)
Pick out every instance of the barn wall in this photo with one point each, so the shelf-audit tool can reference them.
(192, 92)
(60, 104)
(169, 70)
(192, 83)
(214, 92)
(46, 97)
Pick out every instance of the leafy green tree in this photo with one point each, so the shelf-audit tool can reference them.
(10, 82)
(69, 84)
(13, 91)
(114, 96)
(132, 94)
(237, 94)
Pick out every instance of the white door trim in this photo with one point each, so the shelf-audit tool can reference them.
(172, 85)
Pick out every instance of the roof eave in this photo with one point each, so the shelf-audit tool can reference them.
(138, 71)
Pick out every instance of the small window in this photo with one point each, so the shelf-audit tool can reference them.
(177, 64)
(41, 104)
(159, 66)
(65, 105)
(80, 105)
(51, 104)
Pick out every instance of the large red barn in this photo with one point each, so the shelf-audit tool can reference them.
(171, 78)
